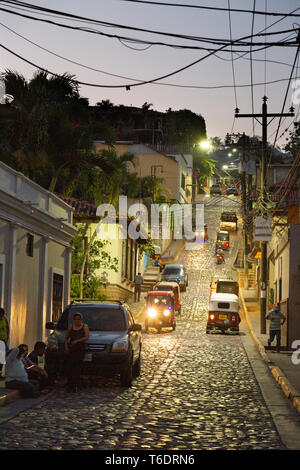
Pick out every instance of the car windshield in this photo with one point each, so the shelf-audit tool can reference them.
(100, 319)
(176, 271)
(222, 236)
(228, 288)
(160, 300)
(228, 217)
(166, 288)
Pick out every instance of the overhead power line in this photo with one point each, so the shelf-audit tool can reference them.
(217, 41)
(139, 82)
(202, 7)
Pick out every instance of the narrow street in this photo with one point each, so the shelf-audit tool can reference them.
(196, 391)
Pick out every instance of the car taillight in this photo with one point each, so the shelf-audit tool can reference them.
(211, 316)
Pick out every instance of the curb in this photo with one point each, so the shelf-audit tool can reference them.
(288, 389)
(9, 397)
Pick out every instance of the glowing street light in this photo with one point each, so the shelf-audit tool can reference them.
(225, 167)
(230, 155)
(205, 145)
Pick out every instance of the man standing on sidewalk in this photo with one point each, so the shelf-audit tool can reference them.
(275, 316)
(138, 280)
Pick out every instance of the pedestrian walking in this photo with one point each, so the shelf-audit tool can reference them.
(277, 319)
(75, 338)
(138, 280)
(16, 375)
(4, 335)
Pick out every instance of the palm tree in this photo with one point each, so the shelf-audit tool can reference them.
(45, 132)
(104, 186)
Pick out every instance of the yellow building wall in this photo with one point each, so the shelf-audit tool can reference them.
(24, 322)
(144, 162)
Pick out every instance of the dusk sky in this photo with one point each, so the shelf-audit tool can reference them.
(216, 106)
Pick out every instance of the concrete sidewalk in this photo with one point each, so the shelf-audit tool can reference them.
(284, 371)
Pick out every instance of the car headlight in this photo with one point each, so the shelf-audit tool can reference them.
(120, 346)
(152, 312)
(166, 313)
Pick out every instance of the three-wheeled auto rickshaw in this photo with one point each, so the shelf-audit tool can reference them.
(223, 238)
(170, 287)
(223, 313)
(160, 311)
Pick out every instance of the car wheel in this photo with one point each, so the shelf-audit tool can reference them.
(159, 329)
(127, 375)
(146, 327)
(174, 326)
(179, 312)
(207, 331)
(137, 366)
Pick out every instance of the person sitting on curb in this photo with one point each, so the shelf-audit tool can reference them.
(16, 377)
(4, 335)
(275, 325)
(34, 371)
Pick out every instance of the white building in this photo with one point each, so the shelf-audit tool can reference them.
(35, 255)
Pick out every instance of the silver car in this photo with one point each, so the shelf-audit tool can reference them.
(175, 273)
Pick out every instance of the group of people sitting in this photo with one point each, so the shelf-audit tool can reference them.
(23, 373)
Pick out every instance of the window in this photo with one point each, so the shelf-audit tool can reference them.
(100, 318)
(57, 296)
(29, 245)
(183, 181)
(224, 305)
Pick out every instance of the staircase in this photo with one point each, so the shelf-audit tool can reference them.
(251, 278)
(150, 277)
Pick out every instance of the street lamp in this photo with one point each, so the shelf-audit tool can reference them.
(205, 145)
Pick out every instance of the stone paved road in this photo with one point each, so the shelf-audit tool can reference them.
(196, 391)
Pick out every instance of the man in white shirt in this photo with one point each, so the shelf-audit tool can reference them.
(16, 377)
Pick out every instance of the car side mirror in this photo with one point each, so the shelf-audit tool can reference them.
(136, 327)
(50, 325)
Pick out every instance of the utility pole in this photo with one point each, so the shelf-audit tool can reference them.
(264, 266)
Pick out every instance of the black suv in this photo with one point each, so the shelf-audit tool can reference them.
(114, 345)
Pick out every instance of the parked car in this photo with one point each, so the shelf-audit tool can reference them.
(229, 221)
(232, 190)
(175, 273)
(216, 189)
(114, 345)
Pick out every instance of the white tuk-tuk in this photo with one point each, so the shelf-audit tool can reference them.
(223, 313)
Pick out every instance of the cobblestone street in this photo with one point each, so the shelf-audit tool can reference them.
(196, 391)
